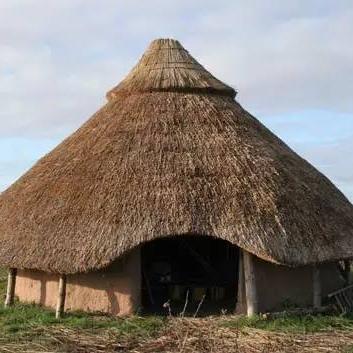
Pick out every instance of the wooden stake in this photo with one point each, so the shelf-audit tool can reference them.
(11, 284)
(316, 288)
(61, 297)
(250, 284)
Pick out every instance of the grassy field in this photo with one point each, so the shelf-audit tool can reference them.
(294, 323)
(29, 328)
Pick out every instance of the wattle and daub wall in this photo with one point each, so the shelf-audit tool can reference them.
(117, 289)
(279, 287)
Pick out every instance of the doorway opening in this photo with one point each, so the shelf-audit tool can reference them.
(189, 274)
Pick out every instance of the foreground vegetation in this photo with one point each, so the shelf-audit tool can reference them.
(30, 328)
(294, 323)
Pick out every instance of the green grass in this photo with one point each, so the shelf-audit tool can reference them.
(293, 323)
(25, 317)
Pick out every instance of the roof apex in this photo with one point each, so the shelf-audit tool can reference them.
(167, 66)
(165, 43)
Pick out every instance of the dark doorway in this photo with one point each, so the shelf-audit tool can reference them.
(198, 270)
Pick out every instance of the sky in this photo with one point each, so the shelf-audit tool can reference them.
(290, 61)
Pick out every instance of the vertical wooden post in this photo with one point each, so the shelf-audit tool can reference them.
(11, 284)
(61, 297)
(316, 287)
(240, 307)
(250, 284)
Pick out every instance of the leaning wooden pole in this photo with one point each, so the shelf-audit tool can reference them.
(61, 297)
(317, 296)
(250, 284)
(11, 284)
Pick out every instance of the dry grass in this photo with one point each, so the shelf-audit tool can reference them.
(207, 335)
(179, 335)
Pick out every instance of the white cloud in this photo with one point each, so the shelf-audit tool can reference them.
(57, 59)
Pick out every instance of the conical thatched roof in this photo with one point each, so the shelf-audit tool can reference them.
(167, 66)
(171, 153)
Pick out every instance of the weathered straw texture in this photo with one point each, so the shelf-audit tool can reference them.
(155, 164)
(167, 66)
(182, 335)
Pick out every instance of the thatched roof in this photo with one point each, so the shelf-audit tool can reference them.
(167, 67)
(171, 153)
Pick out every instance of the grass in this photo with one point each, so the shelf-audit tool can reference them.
(26, 317)
(293, 323)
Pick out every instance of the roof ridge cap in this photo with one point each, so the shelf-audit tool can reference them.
(157, 70)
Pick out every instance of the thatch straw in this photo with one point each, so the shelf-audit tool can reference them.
(167, 66)
(161, 163)
(179, 335)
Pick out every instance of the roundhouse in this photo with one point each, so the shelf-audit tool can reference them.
(173, 190)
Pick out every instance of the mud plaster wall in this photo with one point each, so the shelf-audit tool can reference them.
(278, 286)
(115, 290)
